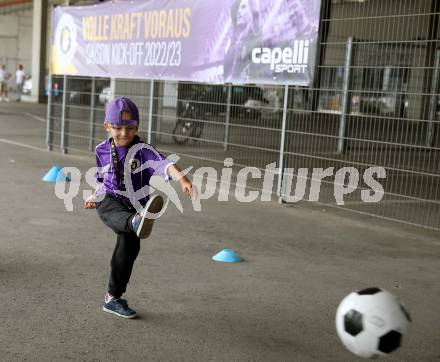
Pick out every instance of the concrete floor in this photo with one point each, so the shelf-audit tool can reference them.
(278, 305)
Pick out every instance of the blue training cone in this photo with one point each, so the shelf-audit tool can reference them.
(55, 174)
(227, 256)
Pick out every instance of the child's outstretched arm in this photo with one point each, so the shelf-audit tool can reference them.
(185, 183)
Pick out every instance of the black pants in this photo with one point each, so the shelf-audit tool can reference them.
(116, 215)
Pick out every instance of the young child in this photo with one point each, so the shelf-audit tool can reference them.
(115, 209)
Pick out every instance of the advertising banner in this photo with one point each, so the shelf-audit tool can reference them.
(236, 41)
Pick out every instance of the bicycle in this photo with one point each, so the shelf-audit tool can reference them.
(190, 121)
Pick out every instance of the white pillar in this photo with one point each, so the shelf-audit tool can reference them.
(39, 31)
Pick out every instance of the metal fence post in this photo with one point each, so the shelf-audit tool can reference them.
(283, 141)
(49, 123)
(433, 101)
(92, 116)
(63, 117)
(112, 88)
(228, 117)
(150, 113)
(345, 97)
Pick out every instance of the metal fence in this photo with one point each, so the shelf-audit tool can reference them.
(374, 102)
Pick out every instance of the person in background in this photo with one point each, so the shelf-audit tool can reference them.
(246, 35)
(20, 77)
(4, 78)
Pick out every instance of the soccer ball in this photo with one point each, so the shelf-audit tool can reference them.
(371, 322)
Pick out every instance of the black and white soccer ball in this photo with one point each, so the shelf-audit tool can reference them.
(371, 322)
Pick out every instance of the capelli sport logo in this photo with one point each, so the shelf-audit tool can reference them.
(290, 59)
(65, 39)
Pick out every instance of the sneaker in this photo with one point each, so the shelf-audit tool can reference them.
(119, 307)
(142, 225)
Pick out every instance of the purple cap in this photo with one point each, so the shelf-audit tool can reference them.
(116, 107)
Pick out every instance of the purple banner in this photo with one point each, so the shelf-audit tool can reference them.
(237, 41)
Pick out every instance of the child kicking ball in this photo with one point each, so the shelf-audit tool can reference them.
(115, 209)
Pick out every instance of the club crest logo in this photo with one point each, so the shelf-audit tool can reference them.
(134, 164)
(65, 39)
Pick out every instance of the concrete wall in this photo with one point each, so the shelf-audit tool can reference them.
(395, 31)
(16, 41)
(378, 21)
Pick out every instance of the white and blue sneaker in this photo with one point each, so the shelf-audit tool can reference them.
(119, 307)
(142, 225)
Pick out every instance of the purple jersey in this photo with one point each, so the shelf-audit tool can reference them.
(107, 178)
